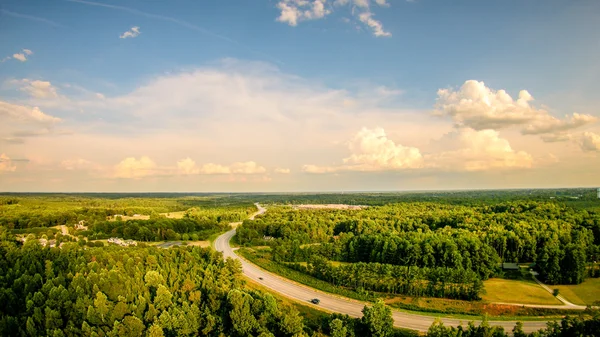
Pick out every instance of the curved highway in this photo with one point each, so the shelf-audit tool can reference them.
(339, 304)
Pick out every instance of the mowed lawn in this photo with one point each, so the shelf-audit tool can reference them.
(517, 291)
(585, 293)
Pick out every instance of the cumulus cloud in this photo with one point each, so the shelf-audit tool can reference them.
(280, 170)
(135, 168)
(470, 150)
(20, 56)
(371, 150)
(132, 33)
(476, 106)
(294, 11)
(6, 164)
(590, 142)
(187, 166)
(478, 151)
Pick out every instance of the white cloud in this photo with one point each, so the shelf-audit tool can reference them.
(282, 170)
(478, 151)
(25, 114)
(133, 32)
(322, 169)
(470, 150)
(188, 166)
(549, 124)
(294, 11)
(248, 167)
(235, 168)
(135, 168)
(476, 106)
(37, 88)
(373, 151)
(211, 168)
(376, 26)
(19, 56)
(6, 164)
(590, 141)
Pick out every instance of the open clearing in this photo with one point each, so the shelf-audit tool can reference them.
(174, 215)
(134, 217)
(202, 244)
(329, 206)
(517, 291)
(585, 293)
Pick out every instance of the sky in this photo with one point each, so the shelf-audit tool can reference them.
(298, 95)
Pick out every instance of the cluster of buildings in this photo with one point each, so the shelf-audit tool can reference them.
(121, 242)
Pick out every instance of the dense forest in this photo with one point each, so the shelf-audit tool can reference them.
(412, 245)
(430, 248)
(187, 291)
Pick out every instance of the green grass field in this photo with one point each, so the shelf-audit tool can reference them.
(517, 291)
(585, 293)
(174, 215)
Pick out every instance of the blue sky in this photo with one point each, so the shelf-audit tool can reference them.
(328, 55)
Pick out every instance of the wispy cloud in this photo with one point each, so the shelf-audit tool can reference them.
(175, 21)
(30, 17)
(133, 32)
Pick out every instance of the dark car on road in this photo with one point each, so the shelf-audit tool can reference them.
(315, 301)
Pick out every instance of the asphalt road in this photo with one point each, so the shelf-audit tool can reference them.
(169, 244)
(342, 305)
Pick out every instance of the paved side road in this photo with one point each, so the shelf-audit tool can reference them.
(342, 305)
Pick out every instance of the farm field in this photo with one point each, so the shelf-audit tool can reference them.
(586, 293)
